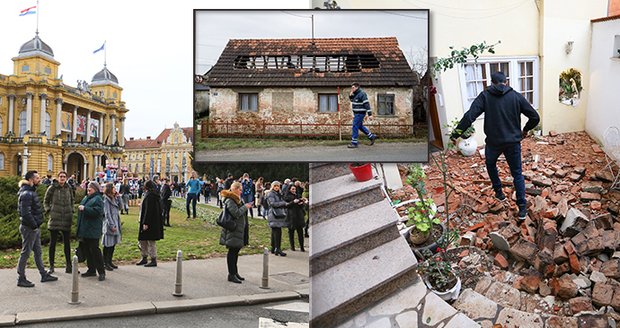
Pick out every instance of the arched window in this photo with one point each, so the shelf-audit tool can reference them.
(1, 161)
(22, 123)
(50, 161)
(48, 124)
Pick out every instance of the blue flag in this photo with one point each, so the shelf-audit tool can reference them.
(100, 48)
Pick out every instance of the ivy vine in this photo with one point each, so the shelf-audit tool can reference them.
(461, 56)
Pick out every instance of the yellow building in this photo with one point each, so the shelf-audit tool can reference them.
(46, 125)
(168, 155)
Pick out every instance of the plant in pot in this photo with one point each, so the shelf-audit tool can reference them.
(438, 273)
(468, 145)
(422, 213)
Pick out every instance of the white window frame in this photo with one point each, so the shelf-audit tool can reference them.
(1, 161)
(514, 76)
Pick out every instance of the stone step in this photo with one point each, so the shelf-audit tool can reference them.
(326, 171)
(337, 196)
(411, 306)
(349, 287)
(344, 237)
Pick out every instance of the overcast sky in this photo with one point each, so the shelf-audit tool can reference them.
(149, 48)
(214, 29)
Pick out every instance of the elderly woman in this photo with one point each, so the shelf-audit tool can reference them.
(112, 206)
(236, 239)
(89, 227)
(276, 217)
(151, 225)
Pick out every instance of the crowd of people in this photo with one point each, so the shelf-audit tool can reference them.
(99, 217)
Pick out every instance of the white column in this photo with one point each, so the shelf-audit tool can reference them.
(28, 112)
(85, 174)
(88, 126)
(122, 132)
(58, 116)
(11, 113)
(64, 166)
(113, 118)
(101, 128)
(43, 98)
(75, 121)
(25, 156)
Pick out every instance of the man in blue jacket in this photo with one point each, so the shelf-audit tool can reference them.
(502, 107)
(194, 186)
(361, 108)
(31, 218)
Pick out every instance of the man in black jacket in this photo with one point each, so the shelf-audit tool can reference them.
(31, 218)
(502, 107)
(165, 194)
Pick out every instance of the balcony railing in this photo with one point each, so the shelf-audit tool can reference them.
(42, 140)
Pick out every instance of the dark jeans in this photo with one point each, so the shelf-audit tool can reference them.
(276, 239)
(249, 199)
(231, 260)
(94, 258)
(191, 198)
(300, 236)
(31, 242)
(108, 253)
(358, 125)
(165, 209)
(512, 152)
(66, 241)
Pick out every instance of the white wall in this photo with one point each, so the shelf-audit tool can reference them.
(604, 100)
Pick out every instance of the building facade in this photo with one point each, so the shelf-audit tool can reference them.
(168, 155)
(301, 87)
(48, 126)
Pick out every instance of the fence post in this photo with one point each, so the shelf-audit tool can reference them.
(265, 280)
(75, 288)
(178, 285)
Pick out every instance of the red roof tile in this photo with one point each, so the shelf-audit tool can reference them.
(157, 142)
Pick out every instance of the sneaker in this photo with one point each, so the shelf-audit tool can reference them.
(48, 277)
(522, 213)
(352, 146)
(500, 195)
(24, 283)
(372, 140)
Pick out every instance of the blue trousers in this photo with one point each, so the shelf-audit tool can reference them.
(358, 125)
(191, 198)
(512, 152)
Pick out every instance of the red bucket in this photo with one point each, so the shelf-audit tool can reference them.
(362, 173)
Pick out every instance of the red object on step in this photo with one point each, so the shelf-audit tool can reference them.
(362, 173)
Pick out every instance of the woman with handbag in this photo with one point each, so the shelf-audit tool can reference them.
(235, 239)
(89, 227)
(276, 217)
(112, 206)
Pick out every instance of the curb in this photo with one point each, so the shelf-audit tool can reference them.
(142, 308)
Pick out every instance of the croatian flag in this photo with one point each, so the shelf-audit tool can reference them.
(28, 11)
(100, 48)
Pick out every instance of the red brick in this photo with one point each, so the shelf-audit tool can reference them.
(568, 246)
(575, 266)
(580, 304)
(602, 294)
(615, 300)
(563, 287)
(611, 268)
(501, 261)
(530, 283)
(588, 196)
(595, 205)
(559, 254)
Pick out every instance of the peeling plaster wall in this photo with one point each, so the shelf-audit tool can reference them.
(301, 105)
(603, 108)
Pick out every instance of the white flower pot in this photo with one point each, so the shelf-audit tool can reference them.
(449, 295)
(468, 146)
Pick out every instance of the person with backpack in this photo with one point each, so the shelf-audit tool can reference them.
(239, 237)
(58, 205)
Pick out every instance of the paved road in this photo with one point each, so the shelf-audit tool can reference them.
(229, 317)
(379, 153)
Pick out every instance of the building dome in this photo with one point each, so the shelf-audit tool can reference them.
(105, 76)
(36, 45)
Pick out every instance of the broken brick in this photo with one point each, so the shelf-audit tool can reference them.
(575, 177)
(559, 254)
(595, 205)
(604, 221)
(592, 187)
(588, 196)
(530, 284)
(548, 173)
(501, 261)
(542, 182)
(524, 250)
(604, 175)
(573, 261)
(561, 173)
(580, 304)
(575, 222)
(611, 268)
(602, 294)
(563, 287)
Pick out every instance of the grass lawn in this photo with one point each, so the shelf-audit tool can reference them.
(197, 238)
(239, 143)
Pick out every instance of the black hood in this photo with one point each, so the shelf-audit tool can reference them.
(499, 89)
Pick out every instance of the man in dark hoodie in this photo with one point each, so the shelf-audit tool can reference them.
(31, 218)
(502, 107)
(361, 108)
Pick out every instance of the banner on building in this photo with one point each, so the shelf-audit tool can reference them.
(81, 124)
(66, 120)
(94, 128)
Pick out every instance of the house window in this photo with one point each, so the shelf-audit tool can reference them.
(25, 68)
(22, 123)
(50, 163)
(1, 161)
(521, 75)
(328, 103)
(48, 71)
(385, 104)
(248, 102)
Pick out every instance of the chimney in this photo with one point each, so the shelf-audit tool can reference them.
(148, 138)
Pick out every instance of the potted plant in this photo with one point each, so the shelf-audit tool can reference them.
(422, 213)
(361, 171)
(437, 271)
(468, 145)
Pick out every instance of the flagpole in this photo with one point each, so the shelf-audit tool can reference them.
(105, 53)
(38, 9)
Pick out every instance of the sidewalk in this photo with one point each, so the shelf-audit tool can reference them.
(133, 288)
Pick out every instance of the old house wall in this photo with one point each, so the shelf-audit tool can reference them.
(296, 111)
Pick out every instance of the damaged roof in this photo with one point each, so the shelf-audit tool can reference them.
(308, 62)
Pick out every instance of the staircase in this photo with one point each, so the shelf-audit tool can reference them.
(358, 257)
